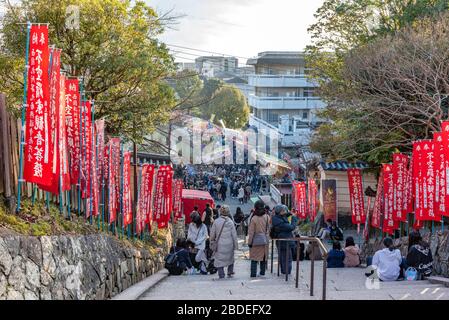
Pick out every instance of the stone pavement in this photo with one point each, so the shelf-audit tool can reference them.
(342, 284)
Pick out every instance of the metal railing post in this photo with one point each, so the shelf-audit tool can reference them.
(279, 255)
(287, 255)
(298, 246)
(312, 270)
(324, 276)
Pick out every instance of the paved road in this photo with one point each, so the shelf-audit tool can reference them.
(342, 284)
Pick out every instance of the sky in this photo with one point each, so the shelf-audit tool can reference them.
(240, 28)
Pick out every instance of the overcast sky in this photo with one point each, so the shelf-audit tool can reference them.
(239, 27)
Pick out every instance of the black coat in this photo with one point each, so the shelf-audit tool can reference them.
(420, 258)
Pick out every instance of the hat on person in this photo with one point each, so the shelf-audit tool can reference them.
(278, 209)
(224, 211)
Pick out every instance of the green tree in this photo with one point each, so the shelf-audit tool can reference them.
(229, 105)
(343, 28)
(115, 50)
(188, 87)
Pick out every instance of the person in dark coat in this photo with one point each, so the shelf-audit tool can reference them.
(184, 262)
(283, 229)
(419, 255)
(207, 217)
(336, 256)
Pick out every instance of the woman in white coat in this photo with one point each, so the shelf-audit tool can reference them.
(198, 235)
(224, 242)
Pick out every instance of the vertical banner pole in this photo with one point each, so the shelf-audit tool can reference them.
(47, 200)
(24, 106)
(122, 228)
(92, 132)
(68, 204)
(61, 209)
(33, 194)
(102, 200)
(81, 147)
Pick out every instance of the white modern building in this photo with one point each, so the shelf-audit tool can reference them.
(284, 98)
(210, 66)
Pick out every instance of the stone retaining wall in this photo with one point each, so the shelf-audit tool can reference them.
(439, 246)
(72, 267)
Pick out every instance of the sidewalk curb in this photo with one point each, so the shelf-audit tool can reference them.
(138, 289)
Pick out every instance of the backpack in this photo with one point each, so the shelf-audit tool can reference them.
(172, 261)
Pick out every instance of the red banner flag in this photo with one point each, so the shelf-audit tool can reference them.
(99, 129)
(143, 190)
(400, 173)
(408, 194)
(302, 208)
(55, 76)
(62, 138)
(113, 177)
(429, 182)
(389, 225)
(417, 177)
(445, 142)
(299, 203)
(312, 195)
(87, 149)
(163, 195)
(73, 127)
(149, 197)
(127, 201)
(356, 196)
(168, 195)
(38, 160)
(95, 184)
(378, 203)
(177, 198)
(440, 174)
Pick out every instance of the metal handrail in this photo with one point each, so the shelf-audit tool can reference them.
(324, 254)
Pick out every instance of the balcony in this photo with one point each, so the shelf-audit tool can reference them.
(280, 81)
(287, 139)
(261, 124)
(290, 103)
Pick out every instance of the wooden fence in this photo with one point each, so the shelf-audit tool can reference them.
(9, 153)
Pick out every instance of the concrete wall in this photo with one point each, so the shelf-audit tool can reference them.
(72, 267)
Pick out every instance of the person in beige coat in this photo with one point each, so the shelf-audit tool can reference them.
(224, 237)
(259, 225)
(352, 253)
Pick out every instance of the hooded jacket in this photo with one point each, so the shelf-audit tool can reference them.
(352, 258)
(388, 264)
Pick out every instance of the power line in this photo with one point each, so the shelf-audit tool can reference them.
(177, 54)
(211, 52)
(216, 63)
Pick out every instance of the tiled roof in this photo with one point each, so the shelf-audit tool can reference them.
(343, 165)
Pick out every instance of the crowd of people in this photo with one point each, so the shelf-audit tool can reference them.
(238, 181)
(211, 239)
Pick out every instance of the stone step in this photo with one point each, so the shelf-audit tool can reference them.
(439, 280)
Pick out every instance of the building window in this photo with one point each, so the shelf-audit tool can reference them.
(273, 117)
(305, 115)
(309, 93)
